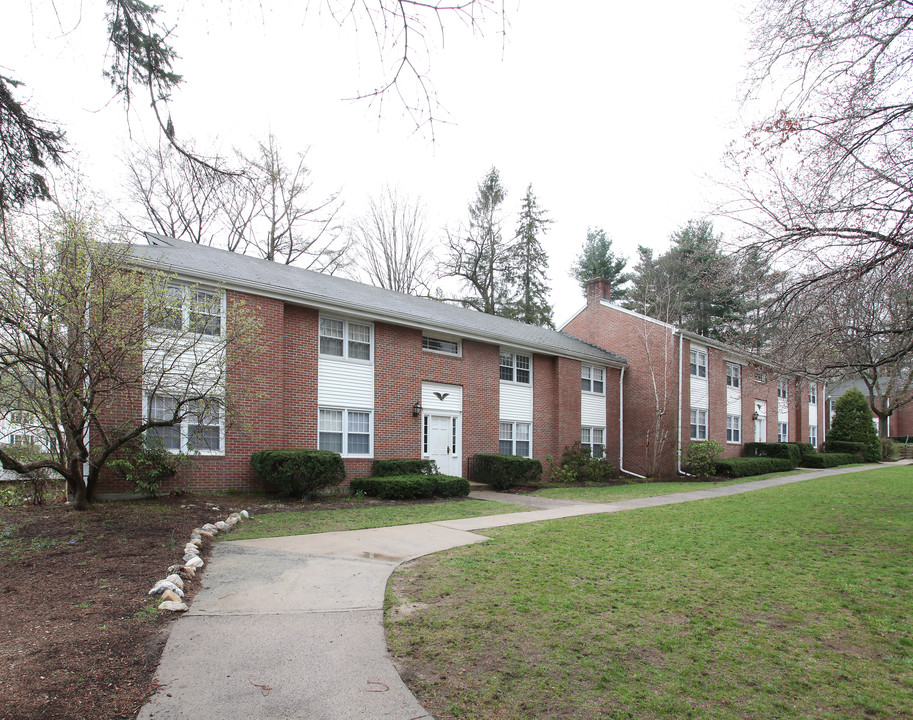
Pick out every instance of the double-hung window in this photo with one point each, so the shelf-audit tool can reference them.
(813, 435)
(698, 424)
(592, 379)
(345, 339)
(344, 431)
(516, 368)
(592, 440)
(514, 438)
(783, 389)
(733, 428)
(733, 375)
(698, 363)
(199, 426)
(187, 308)
(812, 394)
(782, 432)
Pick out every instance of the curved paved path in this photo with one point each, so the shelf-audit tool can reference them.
(288, 628)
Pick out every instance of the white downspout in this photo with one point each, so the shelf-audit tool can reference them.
(678, 419)
(621, 426)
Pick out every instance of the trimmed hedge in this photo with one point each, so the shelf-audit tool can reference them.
(805, 450)
(747, 466)
(410, 487)
(845, 446)
(788, 451)
(298, 472)
(403, 466)
(505, 471)
(829, 460)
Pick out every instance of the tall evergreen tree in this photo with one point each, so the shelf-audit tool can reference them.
(597, 260)
(477, 254)
(693, 284)
(528, 284)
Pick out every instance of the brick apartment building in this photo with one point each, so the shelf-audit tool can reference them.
(375, 374)
(679, 387)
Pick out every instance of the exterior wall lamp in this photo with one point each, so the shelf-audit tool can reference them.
(755, 416)
(417, 409)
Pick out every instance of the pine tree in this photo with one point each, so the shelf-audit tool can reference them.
(597, 260)
(853, 423)
(527, 281)
(477, 255)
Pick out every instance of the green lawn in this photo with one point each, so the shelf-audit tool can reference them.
(789, 602)
(611, 493)
(309, 521)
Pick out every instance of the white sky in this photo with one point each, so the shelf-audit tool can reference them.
(614, 113)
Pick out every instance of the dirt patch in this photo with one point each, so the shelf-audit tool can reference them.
(79, 637)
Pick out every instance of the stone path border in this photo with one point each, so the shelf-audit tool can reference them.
(292, 627)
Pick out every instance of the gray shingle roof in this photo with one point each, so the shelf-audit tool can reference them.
(200, 263)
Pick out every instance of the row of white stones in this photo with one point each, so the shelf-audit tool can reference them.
(170, 590)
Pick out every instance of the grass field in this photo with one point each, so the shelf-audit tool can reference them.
(790, 602)
(305, 522)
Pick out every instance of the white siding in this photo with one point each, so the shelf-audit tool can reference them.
(592, 410)
(343, 384)
(782, 410)
(733, 401)
(812, 414)
(516, 402)
(179, 366)
(699, 398)
(452, 404)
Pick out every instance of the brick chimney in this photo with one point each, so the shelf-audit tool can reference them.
(597, 289)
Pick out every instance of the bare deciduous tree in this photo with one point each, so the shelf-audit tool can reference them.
(394, 250)
(824, 180)
(81, 332)
(265, 208)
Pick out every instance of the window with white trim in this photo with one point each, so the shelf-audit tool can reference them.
(812, 394)
(733, 375)
(760, 376)
(698, 363)
(184, 308)
(344, 431)
(592, 440)
(440, 345)
(345, 339)
(592, 379)
(734, 428)
(783, 389)
(200, 428)
(813, 435)
(516, 368)
(698, 424)
(514, 438)
(782, 432)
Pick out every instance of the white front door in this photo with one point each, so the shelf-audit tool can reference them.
(441, 443)
(760, 424)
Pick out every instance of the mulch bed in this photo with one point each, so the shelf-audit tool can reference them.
(78, 638)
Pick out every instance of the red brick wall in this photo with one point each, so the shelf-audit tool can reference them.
(641, 343)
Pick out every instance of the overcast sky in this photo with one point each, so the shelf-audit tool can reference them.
(615, 113)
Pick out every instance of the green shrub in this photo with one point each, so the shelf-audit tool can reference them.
(788, 451)
(853, 423)
(700, 458)
(829, 460)
(887, 448)
(578, 465)
(298, 472)
(805, 449)
(748, 466)
(845, 446)
(410, 487)
(146, 464)
(505, 471)
(403, 466)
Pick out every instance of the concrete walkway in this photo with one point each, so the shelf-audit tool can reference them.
(291, 628)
